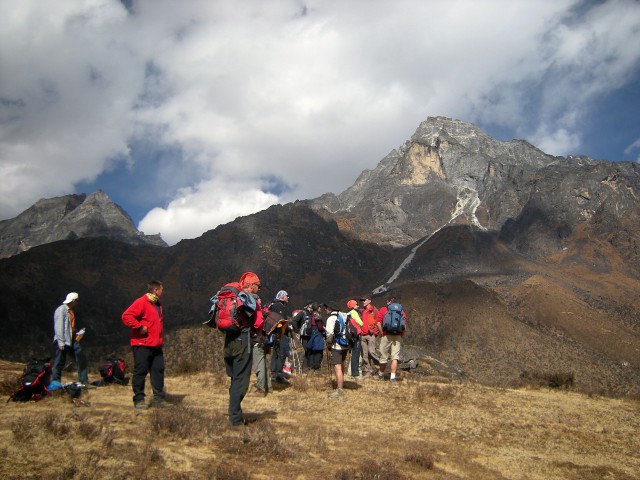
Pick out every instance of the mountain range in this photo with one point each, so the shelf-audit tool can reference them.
(509, 262)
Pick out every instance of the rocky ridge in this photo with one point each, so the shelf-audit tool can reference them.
(67, 218)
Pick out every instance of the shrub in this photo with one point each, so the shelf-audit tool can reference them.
(24, 428)
(560, 380)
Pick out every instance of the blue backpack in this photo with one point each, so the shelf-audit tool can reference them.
(393, 320)
(344, 331)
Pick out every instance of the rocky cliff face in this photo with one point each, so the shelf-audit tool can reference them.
(450, 172)
(67, 218)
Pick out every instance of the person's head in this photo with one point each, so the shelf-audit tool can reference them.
(250, 282)
(155, 287)
(282, 296)
(391, 299)
(71, 300)
(351, 304)
(314, 307)
(366, 301)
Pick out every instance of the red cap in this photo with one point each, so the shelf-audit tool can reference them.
(351, 304)
(248, 278)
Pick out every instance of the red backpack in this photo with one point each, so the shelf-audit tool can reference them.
(229, 310)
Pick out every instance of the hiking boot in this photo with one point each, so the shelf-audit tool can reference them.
(393, 382)
(337, 393)
(259, 393)
(359, 377)
(379, 377)
(282, 381)
(161, 404)
(140, 406)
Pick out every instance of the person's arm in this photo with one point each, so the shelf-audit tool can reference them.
(331, 321)
(132, 316)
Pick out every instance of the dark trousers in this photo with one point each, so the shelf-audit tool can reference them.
(315, 357)
(306, 361)
(60, 358)
(355, 359)
(277, 357)
(147, 360)
(237, 361)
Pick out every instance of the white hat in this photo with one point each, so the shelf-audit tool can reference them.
(70, 297)
(281, 295)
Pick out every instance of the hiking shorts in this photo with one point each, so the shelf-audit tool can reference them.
(390, 348)
(337, 357)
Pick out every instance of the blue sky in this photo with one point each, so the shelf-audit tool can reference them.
(189, 114)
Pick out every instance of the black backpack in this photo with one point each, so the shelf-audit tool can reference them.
(36, 376)
(112, 370)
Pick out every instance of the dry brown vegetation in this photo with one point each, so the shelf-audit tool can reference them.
(423, 428)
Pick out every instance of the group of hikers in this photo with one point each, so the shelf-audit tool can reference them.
(252, 331)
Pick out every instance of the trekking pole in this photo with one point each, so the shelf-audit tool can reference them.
(296, 358)
(266, 371)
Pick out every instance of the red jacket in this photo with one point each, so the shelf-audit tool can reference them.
(143, 312)
(370, 319)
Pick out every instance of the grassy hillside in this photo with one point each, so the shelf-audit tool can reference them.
(425, 428)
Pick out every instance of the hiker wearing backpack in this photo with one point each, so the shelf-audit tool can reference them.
(67, 340)
(338, 347)
(301, 323)
(280, 346)
(315, 345)
(237, 342)
(354, 318)
(370, 335)
(260, 347)
(145, 320)
(392, 323)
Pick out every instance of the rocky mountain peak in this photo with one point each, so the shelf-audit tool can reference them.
(450, 172)
(70, 217)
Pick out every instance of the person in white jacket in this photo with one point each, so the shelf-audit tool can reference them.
(337, 353)
(67, 340)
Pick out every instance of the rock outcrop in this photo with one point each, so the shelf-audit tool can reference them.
(67, 218)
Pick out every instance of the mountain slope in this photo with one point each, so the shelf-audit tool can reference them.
(67, 218)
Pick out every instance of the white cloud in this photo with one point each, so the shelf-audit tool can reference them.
(631, 148)
(307, 93)
(196, 209)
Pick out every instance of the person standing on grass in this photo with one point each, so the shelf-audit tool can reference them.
(390, 344)
(281, 343)
(354, 314)
(370, 335)
(144, 318)
(337, 353)
(315, 344)
(238, 352)
(67, 340)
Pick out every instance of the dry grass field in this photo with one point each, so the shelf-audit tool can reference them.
(425, 428)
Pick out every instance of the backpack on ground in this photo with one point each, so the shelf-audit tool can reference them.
(231, 309)
(33, 383)
(344, 331)
(393, 321)
(112, 370)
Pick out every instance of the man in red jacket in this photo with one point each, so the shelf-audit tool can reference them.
(144, 318)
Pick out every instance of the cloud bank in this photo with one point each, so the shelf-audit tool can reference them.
(267, 102)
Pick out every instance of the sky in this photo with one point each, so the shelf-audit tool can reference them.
(189, 114)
